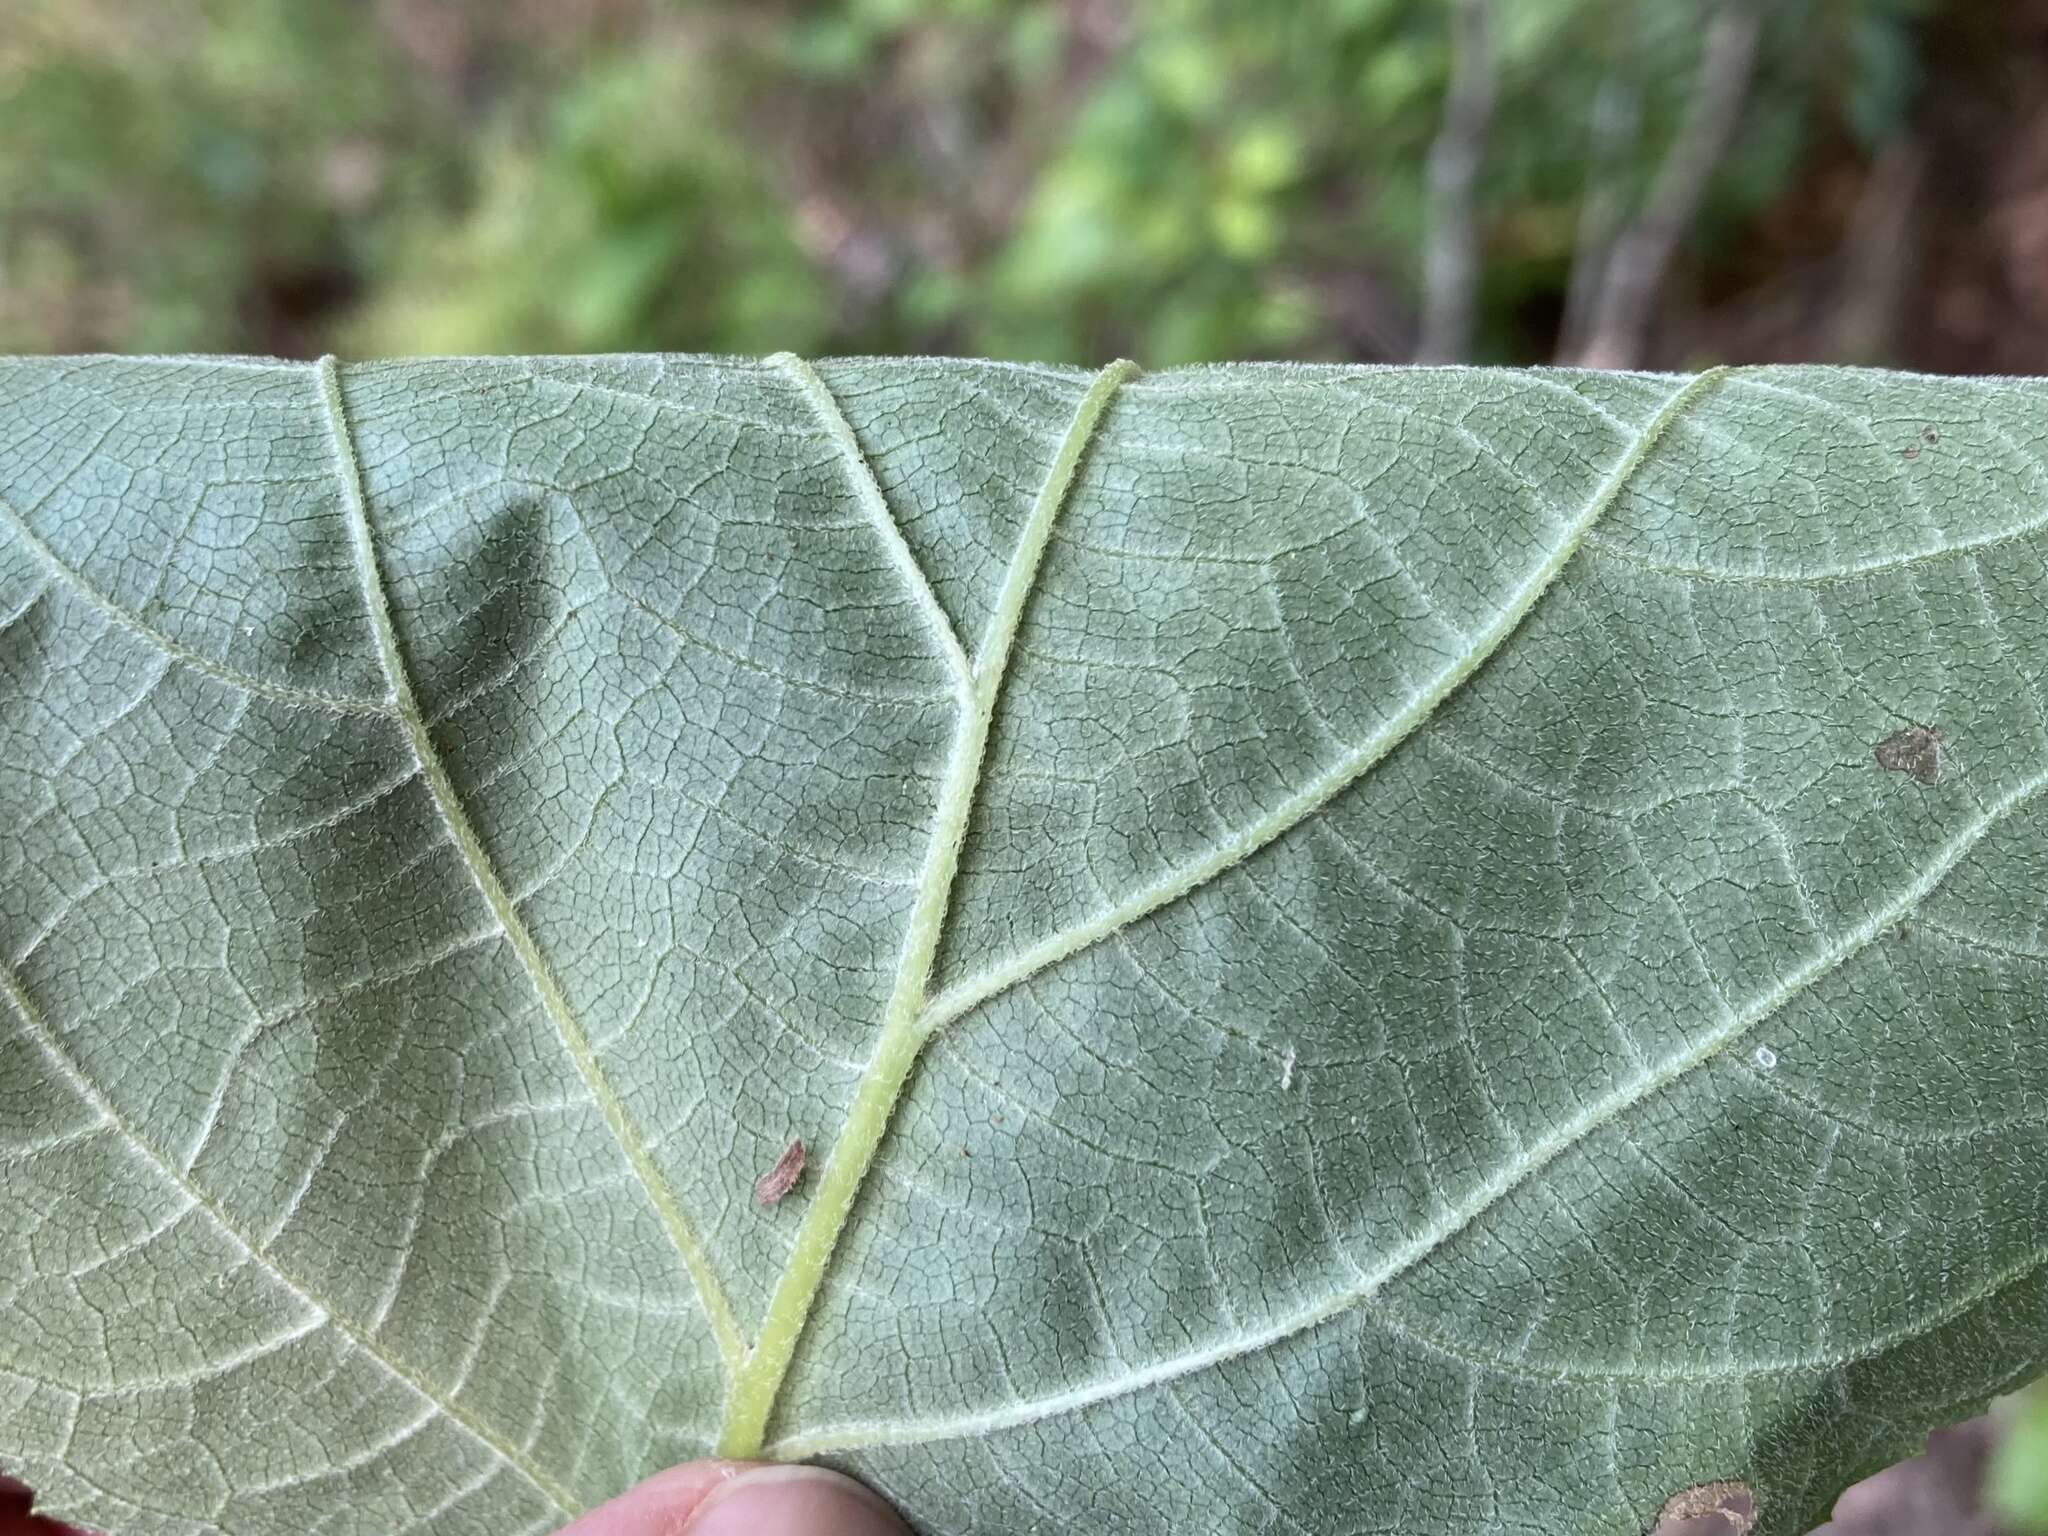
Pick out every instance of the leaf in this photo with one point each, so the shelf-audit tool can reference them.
(2016, 1483)
(1339, 938)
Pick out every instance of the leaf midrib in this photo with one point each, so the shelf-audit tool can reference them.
(757, 1387)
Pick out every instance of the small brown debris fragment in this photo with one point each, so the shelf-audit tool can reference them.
(782, 1178)
(1914, 751)
(1929, 436)
(1728, 1503)
(1910, 453)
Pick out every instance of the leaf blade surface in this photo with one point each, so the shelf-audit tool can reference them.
(1441, 1021)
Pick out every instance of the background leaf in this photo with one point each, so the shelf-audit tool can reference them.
(2018, 1487)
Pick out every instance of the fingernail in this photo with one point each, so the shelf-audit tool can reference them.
(793, 1501)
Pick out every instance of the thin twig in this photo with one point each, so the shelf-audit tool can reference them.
(1617, 112)
(1450, 263)
(1878, 255)
(1635, 273)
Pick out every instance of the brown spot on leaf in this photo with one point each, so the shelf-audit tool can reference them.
(1914, 751)
(1929, 436)
(1912, 452)
(782, 1178)
(1725, 1506)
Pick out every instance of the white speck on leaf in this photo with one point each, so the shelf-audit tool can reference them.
(1287, 1070)
(1765, 1058)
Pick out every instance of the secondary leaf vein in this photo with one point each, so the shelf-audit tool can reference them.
(81, 1082)
(867, 490)
(283, 693)
(1512, 1176)
(618, 1118)
(1180, 881)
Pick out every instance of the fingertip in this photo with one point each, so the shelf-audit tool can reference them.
(793, 1501)
(661, 1506)
(17, 1517)
(737, 1498)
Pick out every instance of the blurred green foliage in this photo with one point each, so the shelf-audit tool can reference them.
(1174, 180)
(1064, 179)
(2018, 1491)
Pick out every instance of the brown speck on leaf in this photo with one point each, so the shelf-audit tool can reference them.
(1915, 752)
(1726, 1506)
(782, 1178)
(1912, 452)
(1929, 436)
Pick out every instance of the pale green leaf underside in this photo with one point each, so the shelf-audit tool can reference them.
(1338, 937)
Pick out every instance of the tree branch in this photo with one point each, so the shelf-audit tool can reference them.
(1617, 114)
(1879, 253)
(1635, 272)
(1450, 263)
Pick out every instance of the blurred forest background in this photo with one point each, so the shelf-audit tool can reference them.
(1660, 183)
(1649, 182)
